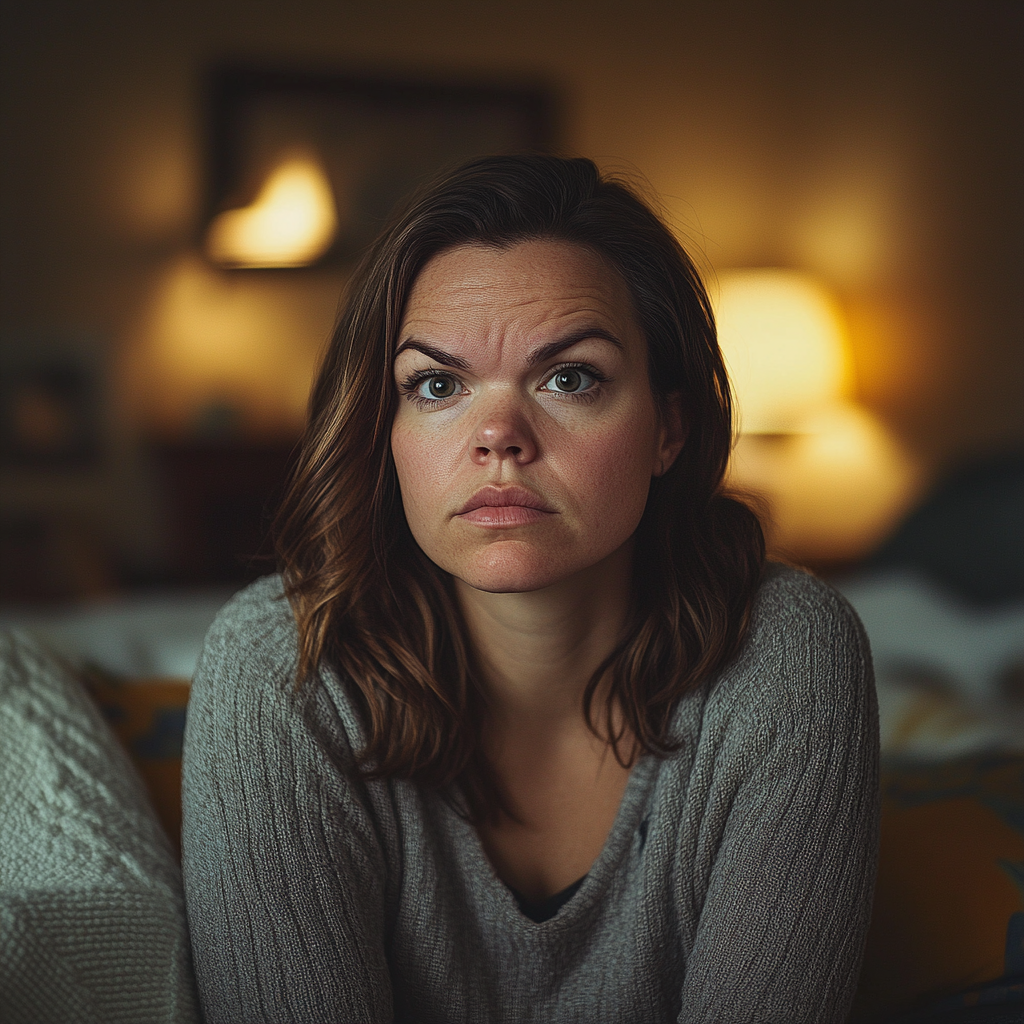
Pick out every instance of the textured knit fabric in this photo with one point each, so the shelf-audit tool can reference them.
(92, 920)
(542, 910)
(735, 884)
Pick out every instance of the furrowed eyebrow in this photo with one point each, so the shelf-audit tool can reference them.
(541, 355)
(437, 354)
(545, 352)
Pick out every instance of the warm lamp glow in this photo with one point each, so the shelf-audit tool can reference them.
(209, 338)
(834, 489)
(833, 477)
(291, 223)
(783, 344)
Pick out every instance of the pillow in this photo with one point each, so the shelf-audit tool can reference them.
(92, 921)
(148, 717)
(947, 933)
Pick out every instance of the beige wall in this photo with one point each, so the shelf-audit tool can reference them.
(878, 145)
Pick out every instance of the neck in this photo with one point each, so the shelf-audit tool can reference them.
(537, 651)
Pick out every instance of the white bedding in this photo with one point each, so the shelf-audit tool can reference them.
(92, 919)
(942, 668)
(950, 677)
(145, 635)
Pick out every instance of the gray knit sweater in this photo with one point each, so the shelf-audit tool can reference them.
(735, 884)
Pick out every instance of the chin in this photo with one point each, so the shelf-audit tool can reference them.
(511, 567)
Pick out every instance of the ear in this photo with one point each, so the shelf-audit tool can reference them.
(672, 433)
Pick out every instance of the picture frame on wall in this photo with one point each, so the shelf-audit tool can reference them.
(365, 144)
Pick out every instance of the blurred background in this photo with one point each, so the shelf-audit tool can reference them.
(185, 187)
(154, 387)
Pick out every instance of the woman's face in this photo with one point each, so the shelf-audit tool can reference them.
(526, 434)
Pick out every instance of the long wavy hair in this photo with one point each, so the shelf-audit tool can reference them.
(371, 606)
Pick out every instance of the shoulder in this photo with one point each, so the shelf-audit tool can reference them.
(791, 600)
(804, 663)
(245, 682)
(799, 621)
(246, 672)
(256, 627)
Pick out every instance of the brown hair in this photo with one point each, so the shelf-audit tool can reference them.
(371, 605)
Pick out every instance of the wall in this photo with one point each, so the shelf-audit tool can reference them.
(877, 145)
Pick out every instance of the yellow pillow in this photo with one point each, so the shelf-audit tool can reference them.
(948, 921)
(148, 717)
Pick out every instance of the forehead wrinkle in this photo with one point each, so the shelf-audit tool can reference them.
(466, 290)
(474, 312)
(492, 341)
(447, 312)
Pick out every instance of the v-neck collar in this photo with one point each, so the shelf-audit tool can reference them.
(591, 886)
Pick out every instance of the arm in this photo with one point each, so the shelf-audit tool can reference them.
(284, 874)
(788, 897)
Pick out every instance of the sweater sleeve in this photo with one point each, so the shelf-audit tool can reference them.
(790, 868)
(284, 872)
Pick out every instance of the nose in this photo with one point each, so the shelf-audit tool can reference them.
(503, 431)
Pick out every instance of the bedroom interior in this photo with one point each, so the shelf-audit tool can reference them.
(186, 187)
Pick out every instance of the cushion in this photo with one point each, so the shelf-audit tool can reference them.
(92, 921)
(148, 717)
(947, 932)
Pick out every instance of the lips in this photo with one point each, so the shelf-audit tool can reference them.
(503, 497)
(504, 506)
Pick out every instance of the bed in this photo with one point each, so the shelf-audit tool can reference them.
(947, 939)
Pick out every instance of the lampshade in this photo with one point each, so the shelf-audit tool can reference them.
(783, 344)
(834, 489)
(292, 222)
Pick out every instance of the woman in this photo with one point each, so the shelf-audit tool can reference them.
(526, 730)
